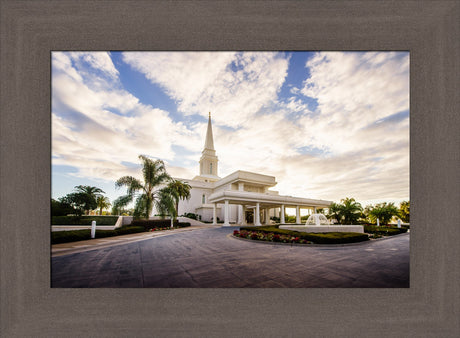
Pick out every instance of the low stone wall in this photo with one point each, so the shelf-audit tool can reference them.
(324, 228)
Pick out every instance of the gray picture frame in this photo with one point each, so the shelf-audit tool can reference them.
(30, 30)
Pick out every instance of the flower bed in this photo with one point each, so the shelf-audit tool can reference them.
(301, 238)
(269, 237)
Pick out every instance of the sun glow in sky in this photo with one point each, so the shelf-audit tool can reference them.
(327, 125)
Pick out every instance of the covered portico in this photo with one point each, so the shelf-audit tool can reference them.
(261, 203)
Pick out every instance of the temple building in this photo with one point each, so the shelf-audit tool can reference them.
(240, 198)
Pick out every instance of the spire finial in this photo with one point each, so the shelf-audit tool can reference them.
(209, 114)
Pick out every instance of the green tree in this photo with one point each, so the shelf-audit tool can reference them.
(79, 201)
(382, 211)
(346, 212)
(335, 211)
(102, 203)
(61, 208)
(404, 211)
(89, 195)
(166, 203)
(119, 205)
(155, 175)
(179, 191)
(350, 211)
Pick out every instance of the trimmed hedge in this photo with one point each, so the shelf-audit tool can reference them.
(319, 238)
(384, 230)
(82, 235)
(158, 223)
(83, 220)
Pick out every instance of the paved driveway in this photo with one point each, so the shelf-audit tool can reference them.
(209, 258)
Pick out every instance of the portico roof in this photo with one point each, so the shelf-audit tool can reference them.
(245, 197)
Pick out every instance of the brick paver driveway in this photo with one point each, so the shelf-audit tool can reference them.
(209, 258)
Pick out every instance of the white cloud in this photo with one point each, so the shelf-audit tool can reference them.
(90, 133)
(233, 86)
(356, 143)
(360, 131)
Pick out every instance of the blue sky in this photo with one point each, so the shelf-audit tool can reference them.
(327, 125)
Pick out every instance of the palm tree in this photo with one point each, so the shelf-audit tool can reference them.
(154, 174)
(102, 203)
(334, 211)
(120, 203)
(179, 191)
(383, 212)
(166, 203)
(349, 211)
(404, 211)
(90, 195)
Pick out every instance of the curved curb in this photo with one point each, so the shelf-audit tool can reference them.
(314, 245)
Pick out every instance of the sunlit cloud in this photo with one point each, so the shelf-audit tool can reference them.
(354, 142)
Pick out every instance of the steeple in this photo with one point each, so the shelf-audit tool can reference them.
(208, 160)
(209, 143)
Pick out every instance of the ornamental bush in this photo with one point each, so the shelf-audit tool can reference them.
(82, 235)
(273, 234)
(158, 223)
(384, 230)
(83, 220)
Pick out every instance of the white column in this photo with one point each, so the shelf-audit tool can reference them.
(314, 210)
(226, 223)
(282, 219)
(267, 216)
(214, 214)
(240, 214)
(257, 214)
(297, 214)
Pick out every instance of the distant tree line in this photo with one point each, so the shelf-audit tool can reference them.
(351, 212)
(84, 199)
(157, 189)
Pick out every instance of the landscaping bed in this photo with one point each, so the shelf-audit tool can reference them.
(83, 220)
(274, 234)
(380, 231)
(83, 235)
(158, 224)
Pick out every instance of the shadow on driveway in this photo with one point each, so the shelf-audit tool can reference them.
(208, 258)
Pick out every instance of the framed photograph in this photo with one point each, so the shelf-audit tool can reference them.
(307, 151)
(41, 40)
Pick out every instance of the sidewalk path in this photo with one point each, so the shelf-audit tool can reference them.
(97, 243)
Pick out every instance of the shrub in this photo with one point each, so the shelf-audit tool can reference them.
(275, 234)
(83, 220)
(82, 235)
(192, 215)
(384, 230)
(158, 223)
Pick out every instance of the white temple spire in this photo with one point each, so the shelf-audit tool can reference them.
(208, 160)
(209, 143)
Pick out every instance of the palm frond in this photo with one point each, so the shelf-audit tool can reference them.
(132, 184)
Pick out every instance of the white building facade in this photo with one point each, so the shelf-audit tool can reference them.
(240, 198)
